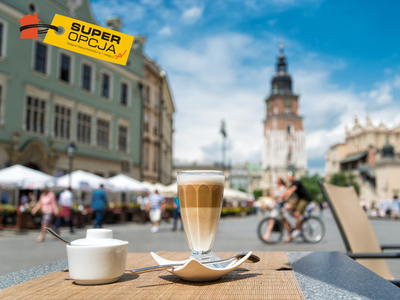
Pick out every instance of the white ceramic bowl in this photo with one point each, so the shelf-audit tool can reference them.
(97, 259)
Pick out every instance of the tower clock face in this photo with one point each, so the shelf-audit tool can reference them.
(288, 102)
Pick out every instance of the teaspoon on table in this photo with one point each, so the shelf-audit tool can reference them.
(251, 259)
(57, 236)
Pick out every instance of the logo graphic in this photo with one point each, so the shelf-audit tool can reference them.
(31, 33)
(89, 39)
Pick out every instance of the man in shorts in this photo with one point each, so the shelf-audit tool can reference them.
(156, 207)
(299, 205)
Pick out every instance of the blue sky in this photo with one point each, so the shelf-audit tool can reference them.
(220, 56)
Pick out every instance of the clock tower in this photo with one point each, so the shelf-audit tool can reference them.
(284, 146)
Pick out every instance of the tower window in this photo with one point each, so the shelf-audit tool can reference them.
(288, 111)
(289, 129)
(276, 110)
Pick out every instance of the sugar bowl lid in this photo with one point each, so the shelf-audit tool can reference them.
(98, 237)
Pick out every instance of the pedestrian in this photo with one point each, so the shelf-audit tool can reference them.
(32, 199)
(5, 197)
(143, 200)
(99, 205)
(156, 208)
(276, 207)
(47, 202)
(299, 205)
(177, 214)
(23, 200)
(66, 214)
(395, 207)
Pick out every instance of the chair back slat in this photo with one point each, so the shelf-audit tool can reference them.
(353, 223)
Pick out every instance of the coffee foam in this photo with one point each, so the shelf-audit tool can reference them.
(200, 178)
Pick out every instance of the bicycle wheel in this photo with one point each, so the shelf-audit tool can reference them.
(313, 230)
(276, 233)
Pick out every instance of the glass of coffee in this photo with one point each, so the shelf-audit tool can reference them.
(200, 196)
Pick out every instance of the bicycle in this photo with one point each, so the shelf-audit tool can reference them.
(312, 228)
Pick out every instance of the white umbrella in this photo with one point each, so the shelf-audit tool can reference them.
(149, 186)
(170, 190)
(83, 180)
(235, 194)
(125, 183)
(20, 176)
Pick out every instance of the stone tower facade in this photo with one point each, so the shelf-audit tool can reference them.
(284, 136)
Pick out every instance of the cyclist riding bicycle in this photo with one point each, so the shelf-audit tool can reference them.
(298, 206)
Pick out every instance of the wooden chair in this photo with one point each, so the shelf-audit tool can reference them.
(356, 230)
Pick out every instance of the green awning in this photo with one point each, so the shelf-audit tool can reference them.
(354, 157)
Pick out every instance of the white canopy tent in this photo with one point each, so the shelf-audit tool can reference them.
(237, 195)
(23, 177)
(149, 186)
(125, 183)
(83, 180)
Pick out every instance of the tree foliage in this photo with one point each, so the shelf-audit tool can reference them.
(312, 186)
(257, 194)
(345, 179)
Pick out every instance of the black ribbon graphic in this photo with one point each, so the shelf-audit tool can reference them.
(45, 27)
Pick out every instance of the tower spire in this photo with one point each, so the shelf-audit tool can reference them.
(281, 46)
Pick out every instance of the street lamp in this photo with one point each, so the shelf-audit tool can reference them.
(71, 150)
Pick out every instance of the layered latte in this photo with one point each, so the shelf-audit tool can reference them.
(200, 199)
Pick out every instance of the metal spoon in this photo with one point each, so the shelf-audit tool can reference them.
(251, 259)
(57, 236)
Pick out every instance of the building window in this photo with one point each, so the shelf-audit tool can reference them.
(146, 158)
(65, 68)
(155, 126)
(155, 160)
(288, 111)
(40, 58)
(147, 94)
(146, 122)
(122, 138)
(155, 99)
(105, 85)
(86, 77)
(124, 94)
(62, 122)
(84, 128)
(2, 35)
(125, 166)
(35, 115)
(103, 133)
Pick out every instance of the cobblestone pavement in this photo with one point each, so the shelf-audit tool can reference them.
(20, 251)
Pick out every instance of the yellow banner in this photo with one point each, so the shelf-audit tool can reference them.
(91, 40)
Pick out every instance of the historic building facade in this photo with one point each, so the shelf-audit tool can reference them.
(167, 130)
(50, 97)
(284, 136)
(372, 154)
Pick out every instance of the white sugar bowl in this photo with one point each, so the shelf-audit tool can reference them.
(97, 259)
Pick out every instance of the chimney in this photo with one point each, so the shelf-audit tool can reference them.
(114, 23)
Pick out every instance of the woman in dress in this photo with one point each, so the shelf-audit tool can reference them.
(47, 202)
(274, 213)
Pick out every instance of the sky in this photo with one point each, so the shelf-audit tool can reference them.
(220, 57)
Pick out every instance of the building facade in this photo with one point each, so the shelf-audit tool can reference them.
(50, 97)
(167, 130)
(372, 154)
(284, 136)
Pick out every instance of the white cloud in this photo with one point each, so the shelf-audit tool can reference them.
(272, 22)
(166, 30)
(192, 14)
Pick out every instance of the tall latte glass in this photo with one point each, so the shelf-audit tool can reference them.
(200, 196)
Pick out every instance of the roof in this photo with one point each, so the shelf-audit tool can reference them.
(354, 157)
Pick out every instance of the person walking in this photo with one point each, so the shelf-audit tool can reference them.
(177, 214)
(47, 202)
(66, 214)
(156, 207)
(99, 205)
(143, 200)
(298, 206)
